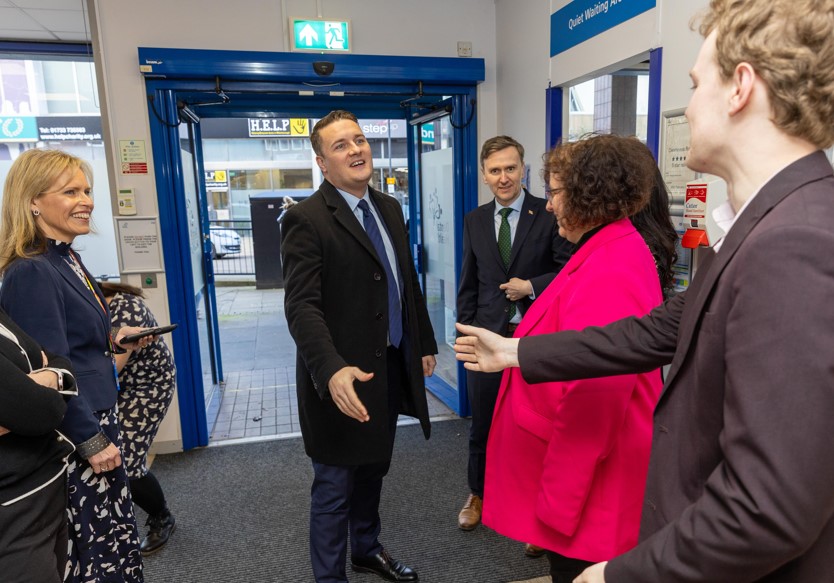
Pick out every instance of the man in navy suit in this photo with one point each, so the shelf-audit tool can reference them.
(364, 342)
(511, 252)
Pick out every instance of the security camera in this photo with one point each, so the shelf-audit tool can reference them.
(324, 68)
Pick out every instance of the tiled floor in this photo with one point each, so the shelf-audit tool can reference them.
(259, 368)
(256, 403)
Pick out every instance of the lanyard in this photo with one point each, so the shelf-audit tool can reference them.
(76, 267)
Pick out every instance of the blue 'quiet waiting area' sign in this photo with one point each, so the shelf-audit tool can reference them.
(584, 19)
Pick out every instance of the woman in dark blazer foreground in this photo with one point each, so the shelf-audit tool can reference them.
(33, 458)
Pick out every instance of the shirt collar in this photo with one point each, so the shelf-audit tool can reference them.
(725, 218)
(516, 205)
(59, 246)
(352, 200)
(587, 236)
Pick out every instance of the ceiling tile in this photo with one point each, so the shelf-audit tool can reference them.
(49, 4)
(72, 36)
(59, 20)
(33, 35)
(12, 19)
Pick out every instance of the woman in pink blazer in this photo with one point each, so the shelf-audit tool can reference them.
(567, 461)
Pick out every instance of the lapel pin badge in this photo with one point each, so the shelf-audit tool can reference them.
(529, 212)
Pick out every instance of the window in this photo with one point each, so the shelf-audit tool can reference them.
(52, 102)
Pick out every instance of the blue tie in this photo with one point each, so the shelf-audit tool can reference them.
(395, 317)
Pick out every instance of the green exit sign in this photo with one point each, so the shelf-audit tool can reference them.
(321, 36)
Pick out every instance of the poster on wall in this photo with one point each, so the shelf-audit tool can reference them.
(140, 248)
(673, 162)
(133, 157)
(676, 174)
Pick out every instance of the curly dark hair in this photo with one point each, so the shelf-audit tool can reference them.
(604, 177)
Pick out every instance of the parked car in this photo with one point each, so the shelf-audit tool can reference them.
(223, 242)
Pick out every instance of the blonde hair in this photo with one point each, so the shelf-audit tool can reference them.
(33, 173)
(790, 44)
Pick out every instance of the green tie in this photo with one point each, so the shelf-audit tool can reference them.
(505, 244)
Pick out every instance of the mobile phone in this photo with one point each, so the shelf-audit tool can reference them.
(149, 332)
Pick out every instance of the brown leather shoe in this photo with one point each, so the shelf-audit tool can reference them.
(470, 515)
(533, 551)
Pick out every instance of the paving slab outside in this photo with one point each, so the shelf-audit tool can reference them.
(258, 396)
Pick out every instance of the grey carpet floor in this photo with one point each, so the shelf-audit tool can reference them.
(242, 515)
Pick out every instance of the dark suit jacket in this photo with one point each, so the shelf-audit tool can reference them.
(336, 302)
(742, 467)
(45, 297)
(538, 254)
(33, 454)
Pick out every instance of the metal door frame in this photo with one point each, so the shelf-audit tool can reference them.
(280, 83)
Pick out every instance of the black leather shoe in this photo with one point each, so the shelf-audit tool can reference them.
(160, 528)
(385, 566)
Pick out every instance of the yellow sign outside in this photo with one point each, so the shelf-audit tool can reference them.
(299, 127)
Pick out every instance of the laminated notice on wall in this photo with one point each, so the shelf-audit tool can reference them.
(140, 248)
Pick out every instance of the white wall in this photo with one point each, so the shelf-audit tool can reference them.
(525, 67)
(523, 45)
(679, 52)
(379, 27)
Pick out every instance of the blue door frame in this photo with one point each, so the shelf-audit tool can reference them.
(555, 108)
(259, 82)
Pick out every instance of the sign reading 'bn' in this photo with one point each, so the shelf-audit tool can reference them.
(321, 36)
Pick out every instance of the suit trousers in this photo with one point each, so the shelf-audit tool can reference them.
(346, 499)
(483, 393)
(33, 537)
(565, 569)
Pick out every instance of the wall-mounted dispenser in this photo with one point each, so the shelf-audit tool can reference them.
(702, 197)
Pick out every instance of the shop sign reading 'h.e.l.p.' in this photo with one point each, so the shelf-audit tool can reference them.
(584, 19)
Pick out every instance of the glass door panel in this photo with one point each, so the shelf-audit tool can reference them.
(437, 222)
(201, 267)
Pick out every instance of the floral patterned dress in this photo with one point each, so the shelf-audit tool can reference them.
(146, 385)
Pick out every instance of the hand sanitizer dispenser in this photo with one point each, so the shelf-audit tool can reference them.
(702, 197)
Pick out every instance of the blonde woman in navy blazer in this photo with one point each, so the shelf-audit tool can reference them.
(46, 289)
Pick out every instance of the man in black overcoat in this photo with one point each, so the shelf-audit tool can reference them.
(364, 343)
